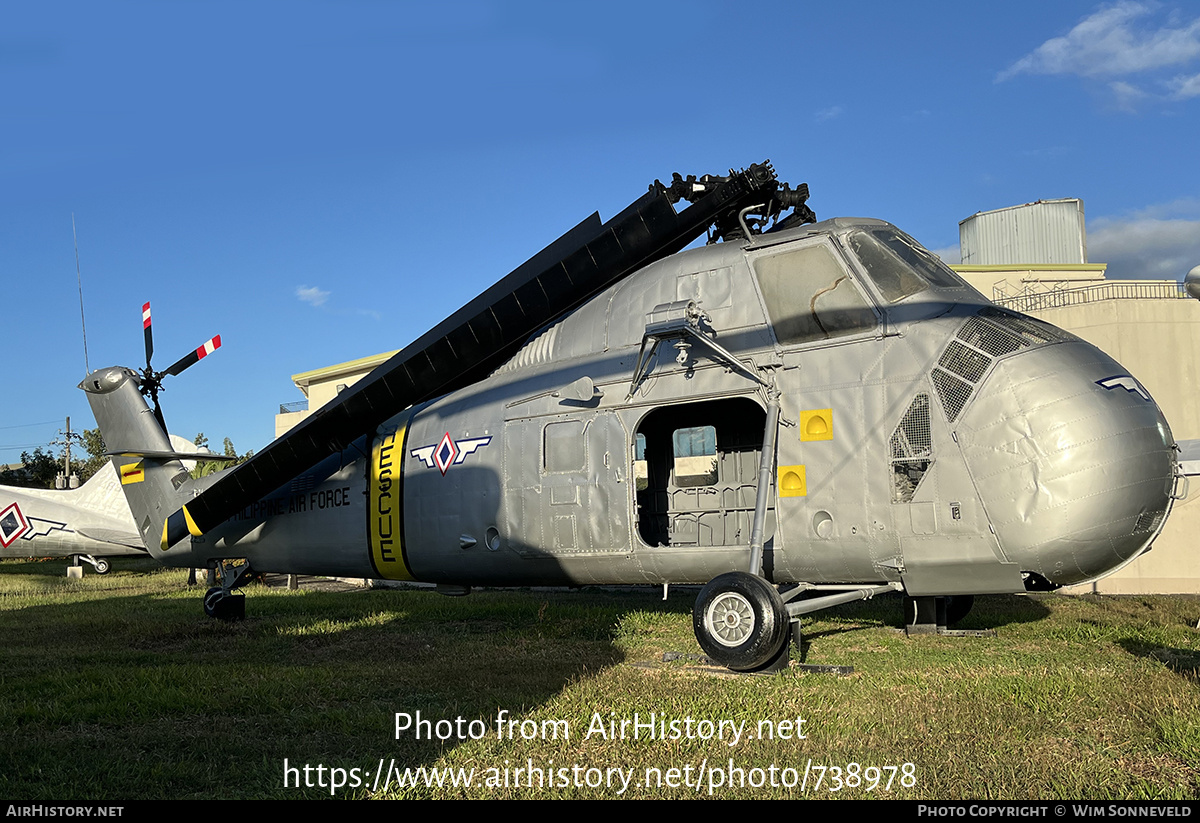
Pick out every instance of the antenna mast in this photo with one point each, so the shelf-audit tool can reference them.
(87, 369)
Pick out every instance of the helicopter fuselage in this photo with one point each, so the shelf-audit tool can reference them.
(925, 438)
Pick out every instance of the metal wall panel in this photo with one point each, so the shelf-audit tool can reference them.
(1048, 231)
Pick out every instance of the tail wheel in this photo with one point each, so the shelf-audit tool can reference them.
(223, 605)
(102, 566)
(212, 600)
(740, 621)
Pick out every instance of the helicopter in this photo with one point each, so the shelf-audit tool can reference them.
(91, 523)
(94, 522)
(794, 415)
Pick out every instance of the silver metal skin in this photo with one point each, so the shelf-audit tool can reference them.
(1075, 477)
(91, 521)
(927, 440)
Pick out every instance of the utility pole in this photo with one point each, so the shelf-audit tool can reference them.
(67, 480)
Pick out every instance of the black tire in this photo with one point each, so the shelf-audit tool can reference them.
(102, 565)
(223, 605)
(212, 598)
(740, 621)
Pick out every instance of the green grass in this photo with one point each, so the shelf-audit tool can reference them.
(117, 688)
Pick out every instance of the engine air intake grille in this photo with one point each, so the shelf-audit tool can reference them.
(990, 334)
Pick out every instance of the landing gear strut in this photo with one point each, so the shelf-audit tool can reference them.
(100, 564)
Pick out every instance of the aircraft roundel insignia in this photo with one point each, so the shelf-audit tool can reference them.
(12, 524)
(1126, 382)
(449, 452)
(445, 453)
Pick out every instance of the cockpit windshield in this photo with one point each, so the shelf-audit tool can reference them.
(898, 266)
(810, 297)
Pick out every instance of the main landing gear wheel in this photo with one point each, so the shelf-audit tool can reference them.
(740, 621)
(102, 566)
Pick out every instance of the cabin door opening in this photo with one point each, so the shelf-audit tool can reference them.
(696, 467)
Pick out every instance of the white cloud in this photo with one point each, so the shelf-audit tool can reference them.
(950, 255)
(1185, 87)
(1113, 42)
(829, 113)
(1126, 95)
(1159, 242)
(312, 295)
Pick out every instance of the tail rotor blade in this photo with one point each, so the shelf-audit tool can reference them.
(149, 335)
(191, 358)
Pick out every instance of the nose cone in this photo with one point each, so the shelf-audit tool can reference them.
(1072, 458)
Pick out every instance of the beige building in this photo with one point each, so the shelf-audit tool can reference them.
(319, 386)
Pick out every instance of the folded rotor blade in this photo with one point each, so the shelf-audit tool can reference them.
(479, 337)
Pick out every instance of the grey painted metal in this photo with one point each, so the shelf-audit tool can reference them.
(92, 521)
(1047, 231)
(1191, 282)
(766, 468)
(816, 604)
(929, 440)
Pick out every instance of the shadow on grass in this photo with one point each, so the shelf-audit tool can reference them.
(989, 612)
(1184, 662)
(109, 695)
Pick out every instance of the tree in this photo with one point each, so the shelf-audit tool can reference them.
(207, 467)
(96, 459)
(37, 471)
(39, 468)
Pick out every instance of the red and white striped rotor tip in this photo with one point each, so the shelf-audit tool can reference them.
(146, 316)
(209, 347)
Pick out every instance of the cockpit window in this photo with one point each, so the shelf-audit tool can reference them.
(810, 296)
(898, 266)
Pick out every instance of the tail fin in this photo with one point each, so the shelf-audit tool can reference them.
(155, 482)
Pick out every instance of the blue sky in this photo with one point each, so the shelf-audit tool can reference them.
(322, 181)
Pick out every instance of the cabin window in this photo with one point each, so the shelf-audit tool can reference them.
(810, 297)
(695, 452)
(565, 447)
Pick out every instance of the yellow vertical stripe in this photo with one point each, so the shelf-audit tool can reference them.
(385, 515)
